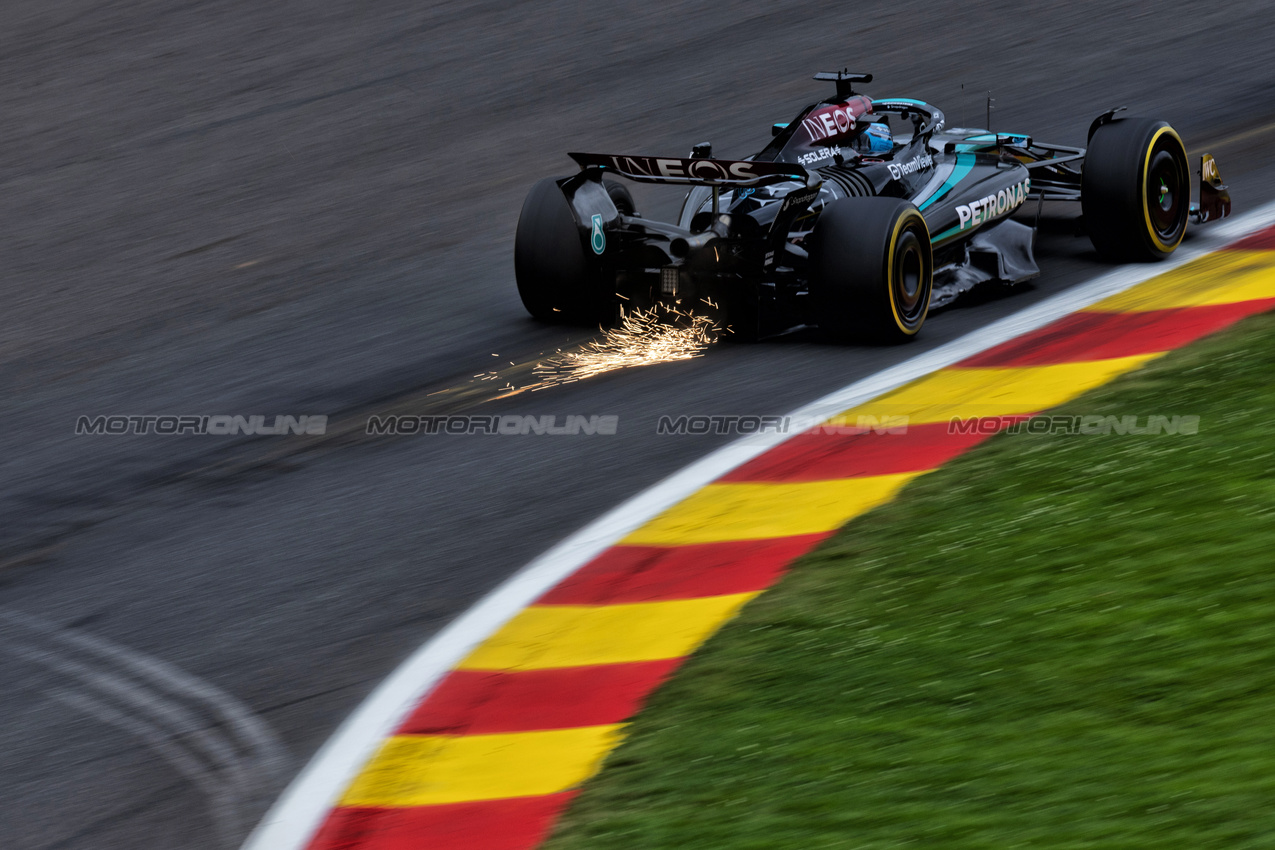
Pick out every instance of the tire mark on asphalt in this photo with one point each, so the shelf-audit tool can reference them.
(214, 741)
(223, 805)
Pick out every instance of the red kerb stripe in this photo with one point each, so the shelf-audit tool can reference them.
(821, 456)
(652, 573)
(1263, 240)
(1100, 335)
(515, 824)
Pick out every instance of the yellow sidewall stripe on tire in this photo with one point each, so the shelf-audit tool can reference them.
(889, 268)
(1146, 171)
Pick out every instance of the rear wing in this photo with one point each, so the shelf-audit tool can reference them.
(734, 174)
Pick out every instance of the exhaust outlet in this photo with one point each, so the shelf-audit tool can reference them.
(684, 246)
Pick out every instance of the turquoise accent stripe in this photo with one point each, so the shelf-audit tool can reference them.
(910, 100)
(964, 163)
(946, 234)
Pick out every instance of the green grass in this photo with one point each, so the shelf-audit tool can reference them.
(1052, 642)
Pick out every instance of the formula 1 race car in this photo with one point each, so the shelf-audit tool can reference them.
(858, 217)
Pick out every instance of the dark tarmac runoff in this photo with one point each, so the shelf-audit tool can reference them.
(292, 209)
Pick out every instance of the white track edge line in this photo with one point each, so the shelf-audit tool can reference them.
(299, 812)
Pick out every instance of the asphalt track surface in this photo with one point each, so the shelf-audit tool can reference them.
(295, 208)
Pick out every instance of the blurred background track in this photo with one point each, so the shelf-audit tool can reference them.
(231, 208)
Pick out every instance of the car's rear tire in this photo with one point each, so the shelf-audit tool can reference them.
(1135, 190)
(871, 270)
(621, 197)
(557, 281)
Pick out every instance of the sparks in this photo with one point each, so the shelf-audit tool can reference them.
(644, 337)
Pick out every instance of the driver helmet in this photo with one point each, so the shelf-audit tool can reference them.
(878, 138)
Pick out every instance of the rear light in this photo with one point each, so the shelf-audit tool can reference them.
(668, 280)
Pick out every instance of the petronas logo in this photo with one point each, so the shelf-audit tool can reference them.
(599, 240)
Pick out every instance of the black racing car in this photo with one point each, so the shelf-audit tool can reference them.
(858, 217)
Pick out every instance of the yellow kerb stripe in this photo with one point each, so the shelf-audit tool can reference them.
(428, 770)
(1222, 278)
(965, 393)
(545, 636)
(758, 511)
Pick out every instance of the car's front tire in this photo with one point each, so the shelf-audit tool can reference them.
(871, 270)
(1135, 189)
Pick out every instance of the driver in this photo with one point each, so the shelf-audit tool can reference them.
(876, 139)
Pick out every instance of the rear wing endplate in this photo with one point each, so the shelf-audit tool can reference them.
(727, 173)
